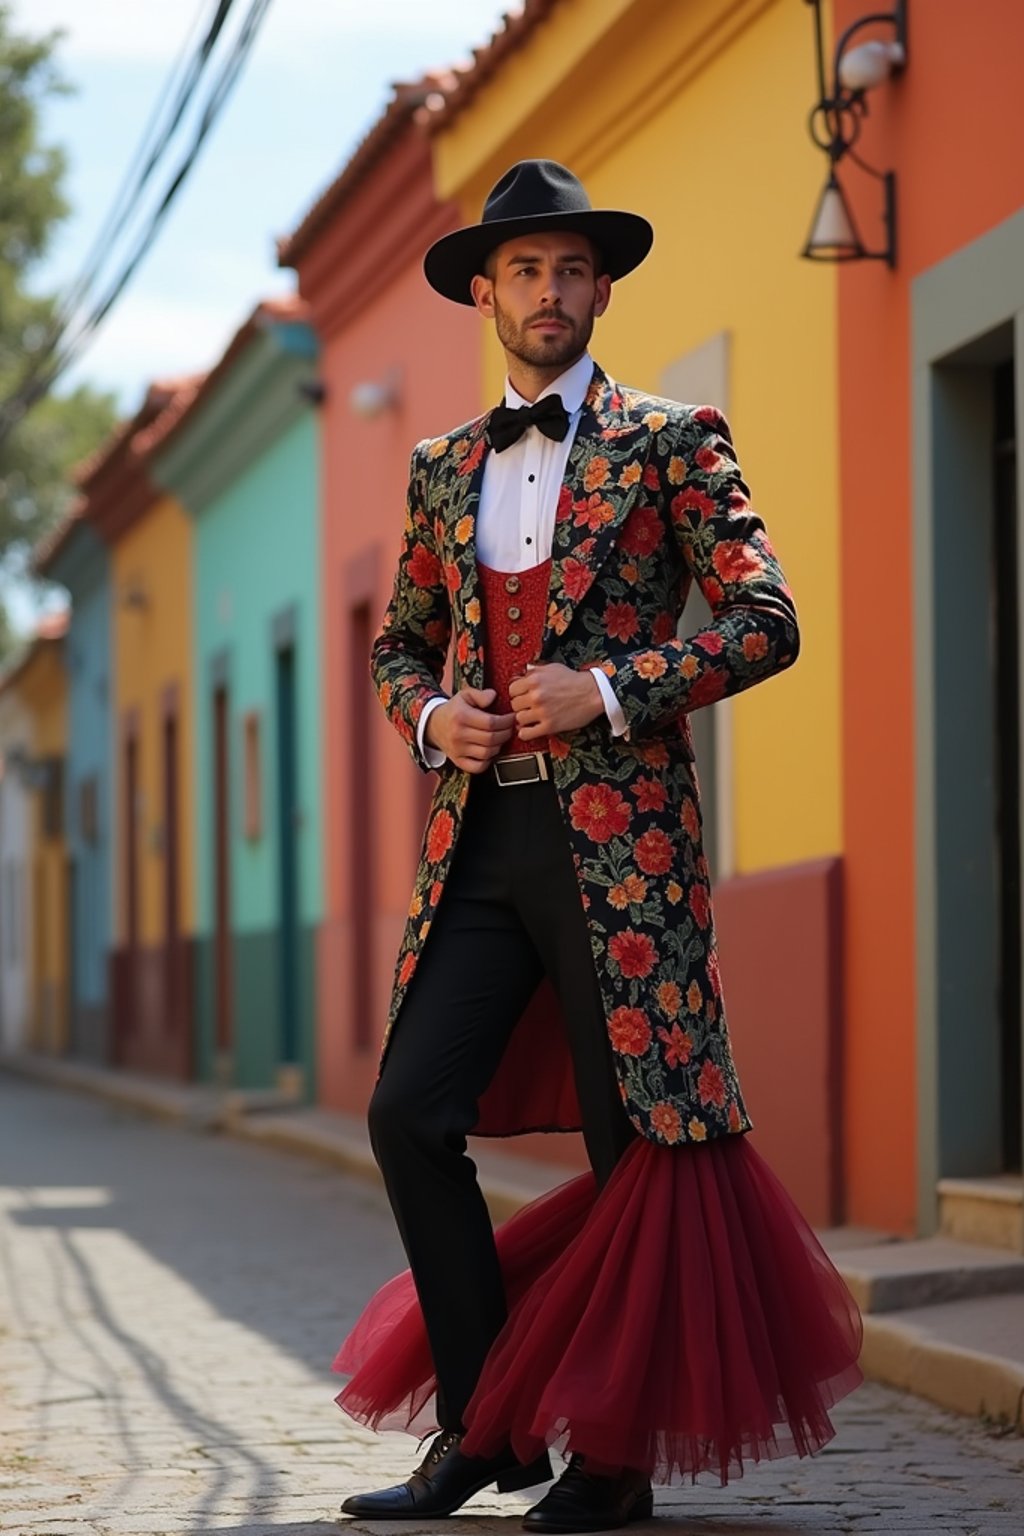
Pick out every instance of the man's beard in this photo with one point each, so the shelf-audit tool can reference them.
(555, 350)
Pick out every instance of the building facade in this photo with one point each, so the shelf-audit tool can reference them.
(241, 458)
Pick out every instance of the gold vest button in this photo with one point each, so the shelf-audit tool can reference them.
(514, 639)
(515, 613)
(511, 583)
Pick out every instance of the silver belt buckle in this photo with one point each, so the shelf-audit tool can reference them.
(537, 758)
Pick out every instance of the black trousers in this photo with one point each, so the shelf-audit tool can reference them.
(510, 912)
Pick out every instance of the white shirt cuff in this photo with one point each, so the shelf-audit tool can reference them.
(432, 756)
(612, 707)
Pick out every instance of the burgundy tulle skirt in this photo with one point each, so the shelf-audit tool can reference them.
(687, 1320)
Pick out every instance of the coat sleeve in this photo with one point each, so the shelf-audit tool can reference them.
(407, 657)
(753, 631)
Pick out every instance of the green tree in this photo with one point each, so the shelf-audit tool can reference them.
(35, 458)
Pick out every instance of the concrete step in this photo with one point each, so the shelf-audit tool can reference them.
(985, 1211)
(924, 1272)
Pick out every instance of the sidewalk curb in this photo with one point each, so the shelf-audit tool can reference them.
(962, 1380)
(898, 1354)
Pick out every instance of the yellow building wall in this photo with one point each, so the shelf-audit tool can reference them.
(151, 642)
(43, 689)
(694, 113)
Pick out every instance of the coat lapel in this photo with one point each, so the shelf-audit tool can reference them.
(595, 500)
(460, 482)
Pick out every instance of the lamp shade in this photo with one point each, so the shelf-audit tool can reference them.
(833, 234)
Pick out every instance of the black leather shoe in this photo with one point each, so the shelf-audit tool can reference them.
(443, 1482)
(584, 1501)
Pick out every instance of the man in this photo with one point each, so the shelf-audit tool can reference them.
(558, 968)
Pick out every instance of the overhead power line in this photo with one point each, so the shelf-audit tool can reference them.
(71, 336)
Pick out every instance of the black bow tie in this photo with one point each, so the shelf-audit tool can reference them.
(508, 423)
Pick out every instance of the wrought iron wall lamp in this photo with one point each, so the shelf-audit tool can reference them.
(835, 124)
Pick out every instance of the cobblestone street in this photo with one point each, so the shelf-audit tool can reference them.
(169, 1306)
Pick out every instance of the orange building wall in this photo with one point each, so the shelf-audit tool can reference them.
(432, 349)
(944, 128)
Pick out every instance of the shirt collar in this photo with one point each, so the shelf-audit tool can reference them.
(572, 385)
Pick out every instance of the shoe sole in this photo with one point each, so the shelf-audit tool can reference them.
(506, 1482)
(643, 1509)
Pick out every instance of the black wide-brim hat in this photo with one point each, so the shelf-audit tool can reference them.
(535, 196)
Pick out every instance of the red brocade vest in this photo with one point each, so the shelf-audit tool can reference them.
(514, 608)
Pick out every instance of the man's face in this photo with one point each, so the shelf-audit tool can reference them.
(543, 294)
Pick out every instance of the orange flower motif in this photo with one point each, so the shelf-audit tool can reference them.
(697, 1129)
(689, 666)
(559, 747)
(655, 420)
(473, 611)
(406, 969)
(463, 529)
(629, 474)
(693, 997)
(666, 1121)
(674, 891)
(439, 838)
(635, 887)
(424, 929)
(385, 695)
(415, 904)
(630, 573)
(755, 646)
(670, 999)
(650, 664)
(437, 449)
(735, 1119)
(618, 898)
(596, 473)
(676, 470)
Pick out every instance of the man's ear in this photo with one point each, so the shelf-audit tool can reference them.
(602, 293)
(482, 289)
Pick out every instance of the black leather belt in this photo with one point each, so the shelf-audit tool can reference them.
(522, 768)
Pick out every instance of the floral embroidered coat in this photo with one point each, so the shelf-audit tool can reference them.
(652, 500)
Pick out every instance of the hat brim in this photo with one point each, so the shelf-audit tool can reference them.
(452, 262)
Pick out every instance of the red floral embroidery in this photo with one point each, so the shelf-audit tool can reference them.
(634, 952)
(735, 560)
(576, 578)
(711, 1084)
(629, 1031)
(439, 838)
(643, 532)
(651, 794)
(678, 1045)
(599, 812)
(424, 567)
(620, 621)
(653, 852)
(700, 904)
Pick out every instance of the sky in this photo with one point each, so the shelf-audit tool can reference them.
(316, 80)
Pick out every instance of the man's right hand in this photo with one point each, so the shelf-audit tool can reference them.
(464, 730)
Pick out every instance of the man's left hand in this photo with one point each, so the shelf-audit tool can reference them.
(552, 698)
